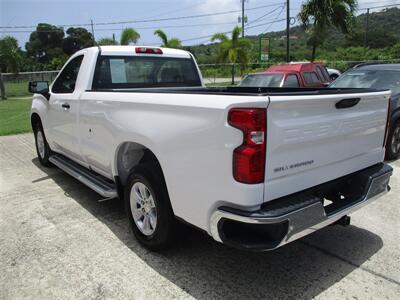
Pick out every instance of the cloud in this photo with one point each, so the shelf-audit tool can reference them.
(215, 6)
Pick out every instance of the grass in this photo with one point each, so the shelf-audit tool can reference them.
(15, 111)
(16, 89)
(15, 115)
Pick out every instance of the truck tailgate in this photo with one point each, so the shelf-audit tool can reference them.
(312, 139)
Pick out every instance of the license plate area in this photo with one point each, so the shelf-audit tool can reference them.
(355, 188)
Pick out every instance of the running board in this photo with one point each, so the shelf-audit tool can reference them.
(96, 182)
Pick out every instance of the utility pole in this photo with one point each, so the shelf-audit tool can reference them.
(366, 29)
(243, 18)
(287, 31)
(91, 23)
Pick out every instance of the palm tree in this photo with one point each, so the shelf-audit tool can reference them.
(166, 42)
(10, 59)
(318, 15)
(128, 36)
(106, 41)
(234, 49)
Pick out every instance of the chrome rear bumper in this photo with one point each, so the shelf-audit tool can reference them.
(289, 218)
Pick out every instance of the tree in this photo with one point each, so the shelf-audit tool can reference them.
(234, 49)
(318, 15)
(128, 36)
(106, 41)
(77, 39)
(377, 38)
(166, 42)
(45, 43)
(10, 59)
(395, 51)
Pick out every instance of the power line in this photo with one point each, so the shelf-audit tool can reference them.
(156, 27)
(249, 27)
(137, 28)
(266, 23)
(263, 16)
(276, 17)
(380, 6)
(145, 20)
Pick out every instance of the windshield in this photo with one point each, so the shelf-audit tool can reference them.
(382, 79)
(262, 80)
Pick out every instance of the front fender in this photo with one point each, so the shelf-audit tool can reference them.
(40, 106)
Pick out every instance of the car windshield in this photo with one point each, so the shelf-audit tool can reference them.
(381, 79)
(262, 80)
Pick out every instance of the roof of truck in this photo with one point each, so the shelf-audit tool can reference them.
(376, 67)
(293, 67)
(131, 50)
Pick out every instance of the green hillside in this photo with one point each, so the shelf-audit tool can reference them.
(383, 42)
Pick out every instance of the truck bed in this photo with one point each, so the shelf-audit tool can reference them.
(244, 91)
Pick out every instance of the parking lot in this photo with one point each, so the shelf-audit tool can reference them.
(58, 241)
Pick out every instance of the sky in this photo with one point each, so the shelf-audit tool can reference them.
(262, 16)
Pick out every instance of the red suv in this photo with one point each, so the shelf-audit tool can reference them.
(290, 75)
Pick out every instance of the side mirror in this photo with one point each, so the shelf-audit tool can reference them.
(39, 87)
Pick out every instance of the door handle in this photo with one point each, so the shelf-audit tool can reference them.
(347, 103)
(65, 106)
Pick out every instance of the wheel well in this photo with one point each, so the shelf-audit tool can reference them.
(132, 154)
(35, 119)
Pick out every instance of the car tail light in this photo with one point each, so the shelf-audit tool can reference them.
(387, 124)
(249, 158)
(147, 50)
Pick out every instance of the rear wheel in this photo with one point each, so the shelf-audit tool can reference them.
(42, 148)
(149, 209)
(393, 142)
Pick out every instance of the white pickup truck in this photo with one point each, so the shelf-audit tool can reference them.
(255, 168)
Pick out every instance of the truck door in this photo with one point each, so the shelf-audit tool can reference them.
(63, 111)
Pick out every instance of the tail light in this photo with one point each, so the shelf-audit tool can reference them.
(387, 124)
(249, 158)
(147, 50)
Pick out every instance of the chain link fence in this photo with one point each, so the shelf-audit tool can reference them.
(213, 74)
(16, 84)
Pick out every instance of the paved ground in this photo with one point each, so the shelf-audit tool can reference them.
(57, 241)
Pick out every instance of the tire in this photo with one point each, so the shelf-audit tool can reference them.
(42, 147)
(393, 142)
(148, 208)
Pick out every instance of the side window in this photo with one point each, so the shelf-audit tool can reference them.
(65, 83)
(325, 73)
(320, 75)
(311, 78)
(291, 81)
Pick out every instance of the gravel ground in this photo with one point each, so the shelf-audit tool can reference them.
(58, 241)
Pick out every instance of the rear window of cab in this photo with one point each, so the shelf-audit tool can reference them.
(121, 72)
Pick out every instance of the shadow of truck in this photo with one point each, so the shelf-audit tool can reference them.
(206, 269)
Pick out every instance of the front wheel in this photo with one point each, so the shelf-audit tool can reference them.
(42, 148)
(393, 142)
(149, 209)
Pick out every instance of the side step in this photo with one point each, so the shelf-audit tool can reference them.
(96, 182)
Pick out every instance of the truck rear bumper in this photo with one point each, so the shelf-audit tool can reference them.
(286, 219)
